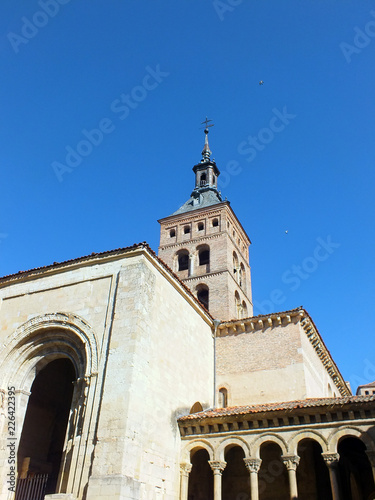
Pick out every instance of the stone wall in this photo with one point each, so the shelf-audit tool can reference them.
(143, 354)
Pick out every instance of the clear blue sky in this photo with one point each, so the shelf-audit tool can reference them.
(147, 73)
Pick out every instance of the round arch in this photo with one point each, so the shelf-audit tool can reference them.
(196, 445)
(43, 339)
(181, 260)
(350, 431)
(230, 442)
(311, 434)
(272, 438)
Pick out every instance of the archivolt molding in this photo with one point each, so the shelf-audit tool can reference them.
(198, 443)
(232, 441)
(307, 434)
(269, 437)
(69, 334)
(349, 431)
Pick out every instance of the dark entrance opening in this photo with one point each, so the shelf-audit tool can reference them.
(355, 470)
(46, 419)
(201, 479)
(312, 473)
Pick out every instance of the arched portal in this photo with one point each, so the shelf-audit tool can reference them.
(44, 429)
(236, 478)
(312, 473)
(355, 470)
(201, 483)
(273, 476)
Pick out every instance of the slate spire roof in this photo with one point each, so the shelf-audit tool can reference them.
(206, 192)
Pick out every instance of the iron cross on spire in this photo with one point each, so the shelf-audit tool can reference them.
(206, 150)
(206, 122)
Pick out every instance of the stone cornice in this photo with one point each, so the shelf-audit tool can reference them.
(261, 322)
(193, 240)
(219, 207)
(193, 214)
(193, 217)
(207, 276)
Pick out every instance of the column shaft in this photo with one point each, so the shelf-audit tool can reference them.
(291, 463)
(253, 466)
(217, 468)
(332, 460)
(185, 470)
(254, 486)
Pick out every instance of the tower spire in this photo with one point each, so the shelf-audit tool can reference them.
(206, 152)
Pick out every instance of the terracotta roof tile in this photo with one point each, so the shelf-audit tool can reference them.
(288, 405)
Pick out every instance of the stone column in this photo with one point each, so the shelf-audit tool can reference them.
(253, 466)
(291, 463)
(371, 457)
(217, 468)
(185, 470)
(332, 461)
(191, 264)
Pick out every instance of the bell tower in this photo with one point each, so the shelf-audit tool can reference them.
(206, 246)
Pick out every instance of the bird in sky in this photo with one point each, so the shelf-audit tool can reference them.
(261, 82)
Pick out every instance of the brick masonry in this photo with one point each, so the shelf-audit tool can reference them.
(222, 275)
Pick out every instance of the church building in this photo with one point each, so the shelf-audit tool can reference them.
(126, 375)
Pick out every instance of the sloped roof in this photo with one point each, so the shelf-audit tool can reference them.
(371, 384)
(204, 200)
(271, 407)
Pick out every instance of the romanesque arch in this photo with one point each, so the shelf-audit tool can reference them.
(269, 437)
(349, 431)
(307, 434)
(230, 442)
(36, 346)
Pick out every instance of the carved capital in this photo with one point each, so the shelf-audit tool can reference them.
(252, 464)
(331, 459)
(217, 466)
(290, 461)
(185, 469)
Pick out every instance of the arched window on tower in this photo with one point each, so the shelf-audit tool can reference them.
(183, 260)
(204, 255)
(203, 180)
(223, 397)
(235, 266)
(203, 295)
(244, 310)
(238, 305)
(242, 277)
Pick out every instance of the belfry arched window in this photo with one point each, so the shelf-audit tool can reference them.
(244, 310)
(203, 295)
(238, 305)
(204, 255)
(203, 180)
(242, 281)
(235, 266)
(183, 260)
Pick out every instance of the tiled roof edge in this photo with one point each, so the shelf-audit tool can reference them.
(270, 407)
